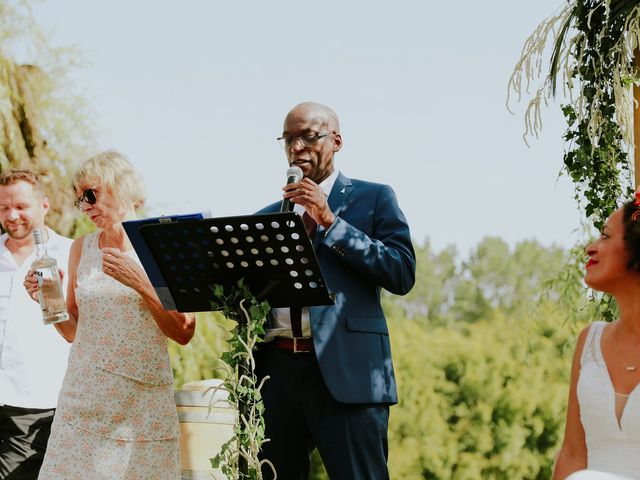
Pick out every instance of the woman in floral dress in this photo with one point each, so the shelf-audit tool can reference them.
(116, 416)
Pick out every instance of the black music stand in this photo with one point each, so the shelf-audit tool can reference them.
(272, 252)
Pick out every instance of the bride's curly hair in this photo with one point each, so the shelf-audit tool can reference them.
(631, 222)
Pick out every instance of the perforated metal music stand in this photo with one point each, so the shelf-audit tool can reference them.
(272, 252)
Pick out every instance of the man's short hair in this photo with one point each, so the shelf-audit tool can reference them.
(9, 177)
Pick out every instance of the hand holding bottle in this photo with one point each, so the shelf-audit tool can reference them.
(49, 283)
(31, 283)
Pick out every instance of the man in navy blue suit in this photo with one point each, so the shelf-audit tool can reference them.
(331, 375)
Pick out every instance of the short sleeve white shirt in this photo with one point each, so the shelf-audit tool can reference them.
(33, 356)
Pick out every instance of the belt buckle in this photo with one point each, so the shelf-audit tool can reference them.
(295, 345)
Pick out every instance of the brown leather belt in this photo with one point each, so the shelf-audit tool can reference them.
(295, 345)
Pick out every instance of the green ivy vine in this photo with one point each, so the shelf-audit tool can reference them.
(592, 49)
(598, 169)
(592, 53)
(238, 457)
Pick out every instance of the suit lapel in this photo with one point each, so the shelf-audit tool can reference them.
(339, 193)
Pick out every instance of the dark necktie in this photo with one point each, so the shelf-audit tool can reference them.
(310, 225)
(296, 312)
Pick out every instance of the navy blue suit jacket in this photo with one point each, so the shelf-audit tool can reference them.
(367, 248)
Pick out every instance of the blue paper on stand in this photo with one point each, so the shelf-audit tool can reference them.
(132, 227)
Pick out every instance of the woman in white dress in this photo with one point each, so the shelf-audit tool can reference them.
(603, 417)
(116, 416)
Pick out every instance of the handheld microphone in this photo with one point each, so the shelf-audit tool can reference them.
(294, 175)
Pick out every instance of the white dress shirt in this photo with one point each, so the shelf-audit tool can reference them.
(33, 356)
(281, 317)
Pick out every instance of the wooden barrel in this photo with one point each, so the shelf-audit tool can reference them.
(206, 422)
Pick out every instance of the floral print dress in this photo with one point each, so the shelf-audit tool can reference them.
(116, 416)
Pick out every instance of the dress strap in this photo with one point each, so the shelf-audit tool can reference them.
(591, 351)
(89, 257)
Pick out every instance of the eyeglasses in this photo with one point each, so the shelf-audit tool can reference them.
(306, 139)
(89, 196)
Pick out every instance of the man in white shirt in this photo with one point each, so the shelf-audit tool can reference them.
(33, 356)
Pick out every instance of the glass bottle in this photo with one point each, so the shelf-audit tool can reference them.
(50, 294)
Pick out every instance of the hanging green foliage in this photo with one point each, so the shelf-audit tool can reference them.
(591, 54)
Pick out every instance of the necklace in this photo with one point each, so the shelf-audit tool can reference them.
(628, 368)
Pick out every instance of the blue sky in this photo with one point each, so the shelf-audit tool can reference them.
(194, 92)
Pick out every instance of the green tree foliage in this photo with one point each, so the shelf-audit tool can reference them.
(450, 290)
(484, 400)
(199, 359)
(44, 124)
(433, 295)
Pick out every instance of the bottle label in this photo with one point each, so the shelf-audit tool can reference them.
(50, 294)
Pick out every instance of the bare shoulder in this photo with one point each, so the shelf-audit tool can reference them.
(582, 338)
(76, 251)
(76, 246)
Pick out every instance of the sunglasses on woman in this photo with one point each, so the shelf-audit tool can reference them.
(89, 196)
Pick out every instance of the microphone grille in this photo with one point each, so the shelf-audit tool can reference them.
(295, 172)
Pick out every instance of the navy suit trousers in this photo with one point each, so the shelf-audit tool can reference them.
(302, 415)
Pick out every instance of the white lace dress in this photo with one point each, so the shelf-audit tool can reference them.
(116, 415)
(613, 442)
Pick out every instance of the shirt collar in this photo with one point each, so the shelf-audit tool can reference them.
(3, 242)
(326, 185)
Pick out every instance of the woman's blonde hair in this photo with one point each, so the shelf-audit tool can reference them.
(113, 171)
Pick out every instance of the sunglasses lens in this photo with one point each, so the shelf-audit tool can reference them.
(89, 196)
